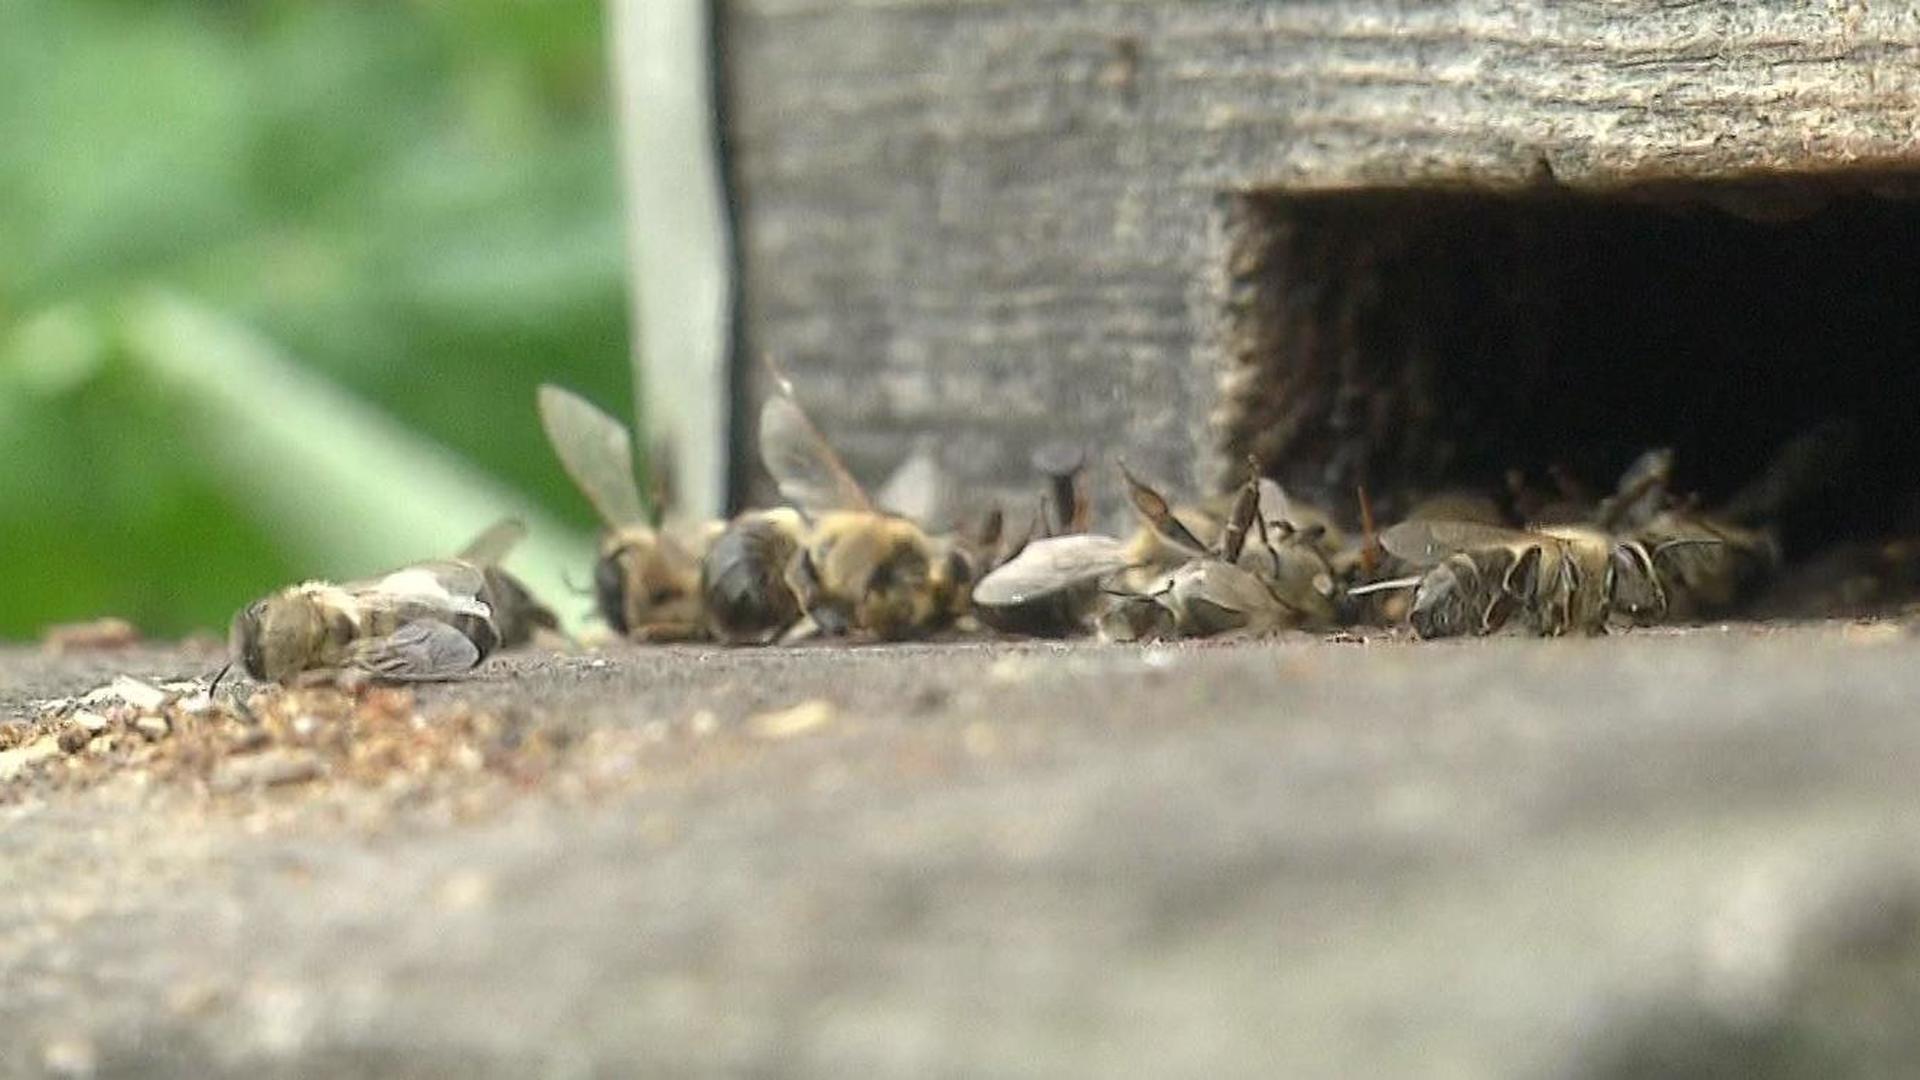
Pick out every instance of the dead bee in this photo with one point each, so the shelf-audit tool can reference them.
(1702, 564)
(1126, 617)
(1705, 565)
(1476, 578)
(433, 620)
(868, 571)
(520, 618)
(1282, 583)
(743, 578)
(1263, 573)
(1289, 522)
(646, 579)
(1040, 587)
(861, 568)
(1052, 587)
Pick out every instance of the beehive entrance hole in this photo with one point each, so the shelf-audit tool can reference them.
(1415, 340)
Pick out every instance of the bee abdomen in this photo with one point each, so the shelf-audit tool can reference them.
(743, 581)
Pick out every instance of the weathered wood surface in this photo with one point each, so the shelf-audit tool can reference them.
(1289, 858)
(1000, 222)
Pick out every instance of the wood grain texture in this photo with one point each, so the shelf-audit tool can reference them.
(1000, 222)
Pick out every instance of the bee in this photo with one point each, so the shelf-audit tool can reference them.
(1052, 587)
(1557, 578)
(1257, 573)
(1264, 572)
(429, 621)
(1127, 617)
(744, 583)
(860, 568)
(1705, 565)
(1702, 564)
(1047, 585)
(646, 577)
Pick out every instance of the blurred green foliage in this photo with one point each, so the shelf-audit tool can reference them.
(417, 200)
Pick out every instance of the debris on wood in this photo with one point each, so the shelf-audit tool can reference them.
(801, 719)
(106, 633)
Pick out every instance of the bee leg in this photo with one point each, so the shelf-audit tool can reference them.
(1499, 610)
(803, 577)
(804, 630)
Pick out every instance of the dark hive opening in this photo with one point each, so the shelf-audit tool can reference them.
(1419, 340)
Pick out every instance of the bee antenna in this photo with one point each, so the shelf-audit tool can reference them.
(239, 703)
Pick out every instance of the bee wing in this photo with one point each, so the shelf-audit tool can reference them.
(420, 651)
(597, 453)
(1226, 586)
(919, 490)
(807, 470)
(492, 547)
(454, 585)
(1274, 504)
(1426, 543)
(1048, 565)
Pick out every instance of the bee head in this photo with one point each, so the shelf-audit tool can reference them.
(610, 588)
(638, 581)
(277, 637)
(1446, 602)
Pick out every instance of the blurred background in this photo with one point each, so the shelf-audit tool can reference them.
(277, 282)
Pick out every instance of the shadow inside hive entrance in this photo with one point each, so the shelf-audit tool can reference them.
(1416, 340)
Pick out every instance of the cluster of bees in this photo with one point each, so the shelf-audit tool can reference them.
(835, 561)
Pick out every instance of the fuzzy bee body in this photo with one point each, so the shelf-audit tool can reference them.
(743, 583)
(646, 585)
(646, 575)
(433, 620)
(861, 568)
(875, 572)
